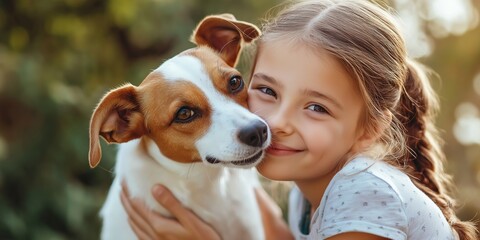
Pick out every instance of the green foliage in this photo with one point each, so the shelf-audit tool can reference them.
(57, 58)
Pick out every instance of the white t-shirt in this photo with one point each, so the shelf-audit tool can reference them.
(372, 197)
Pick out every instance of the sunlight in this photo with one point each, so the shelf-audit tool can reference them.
(418, 43)
(448, 10)
(454, 17)
(440, 17)
(467, 125)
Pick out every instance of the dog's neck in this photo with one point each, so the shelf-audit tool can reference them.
(182, 169)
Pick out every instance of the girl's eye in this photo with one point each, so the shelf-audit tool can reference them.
(268, 91)
(317, 108)
(235, 84)
(184, 115)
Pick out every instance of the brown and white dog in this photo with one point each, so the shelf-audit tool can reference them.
(186, 126)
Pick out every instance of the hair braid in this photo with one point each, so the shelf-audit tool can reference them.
(416, 111)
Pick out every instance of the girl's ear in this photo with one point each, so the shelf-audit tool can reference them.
(225, 34)
(367, 137)
(117, 119)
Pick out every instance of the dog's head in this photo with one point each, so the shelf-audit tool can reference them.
(193, 106)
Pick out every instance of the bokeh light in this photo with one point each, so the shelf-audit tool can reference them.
(467, 125)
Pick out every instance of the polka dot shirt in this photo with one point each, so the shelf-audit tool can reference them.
(372, 197)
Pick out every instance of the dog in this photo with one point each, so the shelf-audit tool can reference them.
(187, 127)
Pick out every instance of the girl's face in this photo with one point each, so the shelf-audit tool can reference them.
(313, 109)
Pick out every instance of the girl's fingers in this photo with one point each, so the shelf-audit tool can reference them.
(148, 224)
(191, 222)
(168, 201)
(137, 221)
(141, 235)
(162, 225)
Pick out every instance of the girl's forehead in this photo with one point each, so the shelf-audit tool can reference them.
(297, 60)
(306, 50)
(301, 68)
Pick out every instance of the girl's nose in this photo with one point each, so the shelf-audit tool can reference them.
(280, 121)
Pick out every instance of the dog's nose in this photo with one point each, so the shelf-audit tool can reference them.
(254, 134)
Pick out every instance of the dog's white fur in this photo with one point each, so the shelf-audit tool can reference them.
(221, 195)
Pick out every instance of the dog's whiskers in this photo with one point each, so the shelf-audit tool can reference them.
(190, 169)
(106, 170)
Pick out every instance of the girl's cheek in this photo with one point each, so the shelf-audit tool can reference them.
(257, 107)
(252, 102)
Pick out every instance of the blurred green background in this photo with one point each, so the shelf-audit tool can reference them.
(58, 57)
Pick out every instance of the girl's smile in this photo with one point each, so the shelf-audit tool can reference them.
(276, 149)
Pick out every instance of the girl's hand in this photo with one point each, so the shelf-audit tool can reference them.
(150, 225)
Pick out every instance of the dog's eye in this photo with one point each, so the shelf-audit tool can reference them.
(235, 84)
(184, 115)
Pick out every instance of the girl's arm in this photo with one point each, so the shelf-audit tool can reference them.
(150, 225)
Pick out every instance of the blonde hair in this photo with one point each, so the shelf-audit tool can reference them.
(396, 89)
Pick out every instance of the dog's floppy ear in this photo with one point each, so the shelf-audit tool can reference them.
(225, 34)
(117, 119)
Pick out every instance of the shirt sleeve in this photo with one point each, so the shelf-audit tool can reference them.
(361, 202)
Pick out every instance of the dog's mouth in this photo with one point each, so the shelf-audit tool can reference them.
(243, 162)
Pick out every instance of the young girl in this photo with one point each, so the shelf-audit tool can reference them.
(352, 120)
